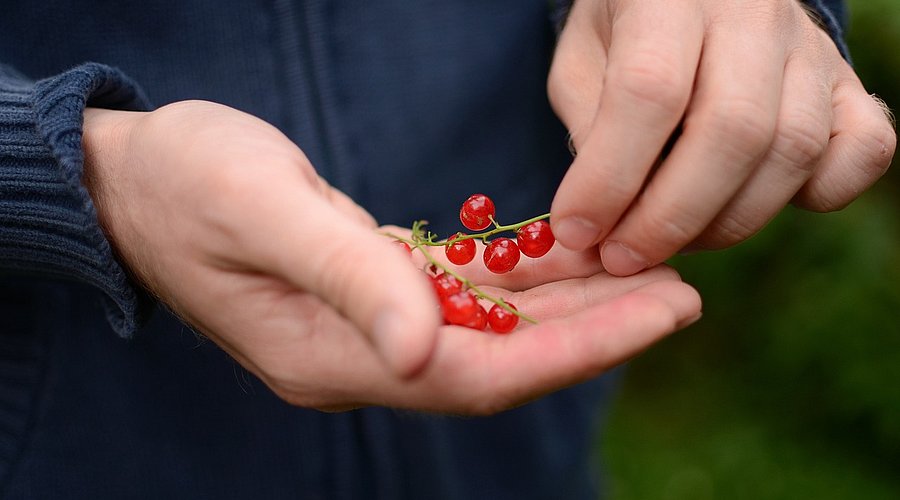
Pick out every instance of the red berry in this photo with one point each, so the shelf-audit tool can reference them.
(501, 256)
(446, 285)
(460, 252)
(476, 212)
(461, 308)
(480, 321)
(501, 320)
(535, 239)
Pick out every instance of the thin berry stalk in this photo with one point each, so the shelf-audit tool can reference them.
(420, 244)
(428, 240)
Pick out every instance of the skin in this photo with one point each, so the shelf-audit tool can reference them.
(764, 109)
(224, 219)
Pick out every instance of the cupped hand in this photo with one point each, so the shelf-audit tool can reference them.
(754, 100)
(224, 219)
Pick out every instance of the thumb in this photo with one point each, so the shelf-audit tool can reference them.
(330, 253)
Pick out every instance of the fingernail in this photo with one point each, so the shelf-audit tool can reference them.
(619, 259)
(576, 233)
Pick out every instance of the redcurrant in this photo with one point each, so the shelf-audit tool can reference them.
(501, 320)
(460, 252)
(446, 285)
(479, 321)
(535, 239)
(501, 255)
(461, 308)
(476, 212)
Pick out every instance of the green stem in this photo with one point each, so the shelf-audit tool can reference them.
(420, 244)
(485, 235)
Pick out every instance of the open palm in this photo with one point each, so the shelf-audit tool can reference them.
(225, 220)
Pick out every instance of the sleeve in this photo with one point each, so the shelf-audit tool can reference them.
(831, 15)
(48, 223)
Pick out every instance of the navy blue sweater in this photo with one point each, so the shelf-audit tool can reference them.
(408, 106)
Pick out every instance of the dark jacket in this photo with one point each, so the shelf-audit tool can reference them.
(407, 106)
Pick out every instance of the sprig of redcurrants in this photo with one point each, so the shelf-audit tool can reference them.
(459, 297)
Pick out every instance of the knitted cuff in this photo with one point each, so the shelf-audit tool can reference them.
(48, 223)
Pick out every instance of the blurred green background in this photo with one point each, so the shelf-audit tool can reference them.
(789, 387)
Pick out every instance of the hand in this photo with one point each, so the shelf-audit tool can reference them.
(225, 220)
(768, 112)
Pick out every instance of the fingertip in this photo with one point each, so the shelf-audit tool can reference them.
(575, 232)
(683, 299)
(619, 259)
(405, 340)
(375, 284)
(405, 323)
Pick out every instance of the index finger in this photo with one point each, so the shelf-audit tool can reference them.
(653, 56)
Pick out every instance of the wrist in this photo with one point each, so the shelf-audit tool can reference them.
(106, 141)
(104, 135)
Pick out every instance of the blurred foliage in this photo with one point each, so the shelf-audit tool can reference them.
(789, 387)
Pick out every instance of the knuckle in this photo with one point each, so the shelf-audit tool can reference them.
(743, 124)
(877, 143)
(801, 143)
(728, 230)
(618, 190)
(865, 156)
(669, 226)
(651, 78)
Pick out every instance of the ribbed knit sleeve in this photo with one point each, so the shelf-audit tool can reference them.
(48, 223)
(831, 13)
